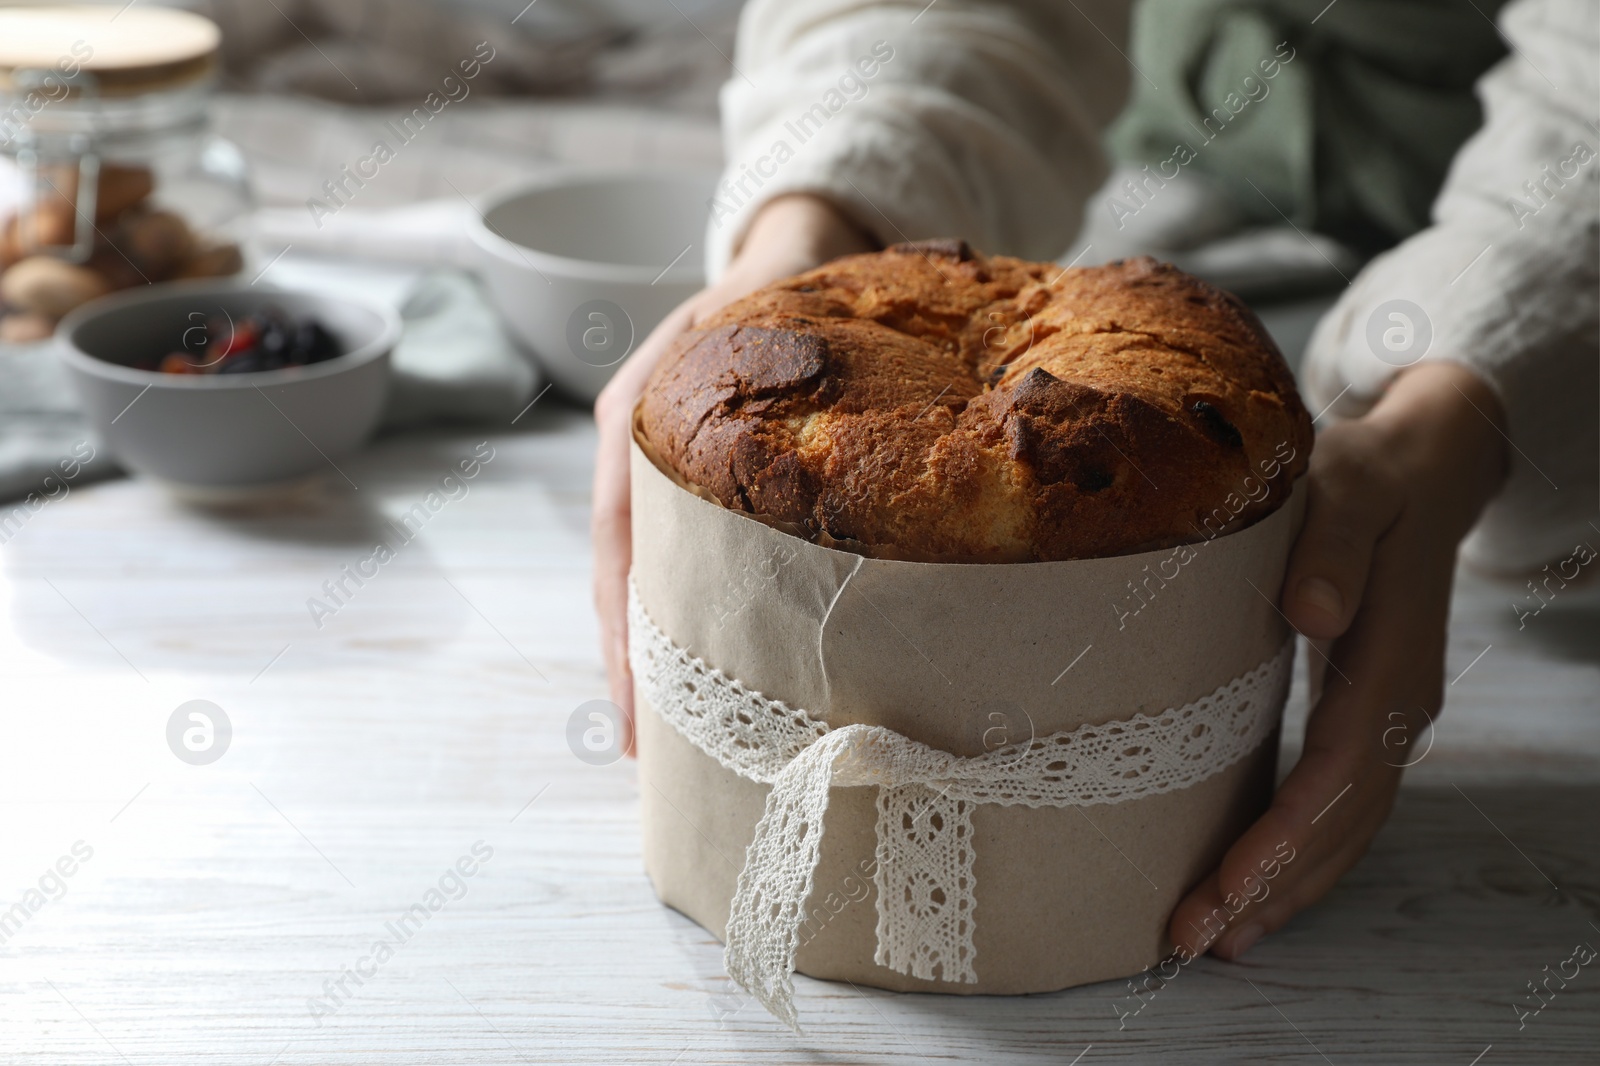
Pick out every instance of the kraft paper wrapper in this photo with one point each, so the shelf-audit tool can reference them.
(935, 651)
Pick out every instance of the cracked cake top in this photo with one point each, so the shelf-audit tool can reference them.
(928, 402)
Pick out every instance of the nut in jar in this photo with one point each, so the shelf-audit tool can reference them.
(103, 126)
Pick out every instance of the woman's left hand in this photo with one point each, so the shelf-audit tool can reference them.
(1391, 495)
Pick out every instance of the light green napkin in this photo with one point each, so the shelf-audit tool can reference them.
(1350, 135)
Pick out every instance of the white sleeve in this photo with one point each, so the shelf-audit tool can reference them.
(963, 118)
(1507, 282)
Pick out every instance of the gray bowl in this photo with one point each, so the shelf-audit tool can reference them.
(583, 265)
(225, 431)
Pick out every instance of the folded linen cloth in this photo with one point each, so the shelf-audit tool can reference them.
(422, 233)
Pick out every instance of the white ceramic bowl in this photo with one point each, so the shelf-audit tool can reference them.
(225, 431)
(583, 266)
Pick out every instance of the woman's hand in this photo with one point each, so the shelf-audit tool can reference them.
(791, 234)
(1391, 496)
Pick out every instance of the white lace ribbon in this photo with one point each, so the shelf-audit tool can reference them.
(925, 890)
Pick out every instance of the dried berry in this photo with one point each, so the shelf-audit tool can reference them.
(267, 339)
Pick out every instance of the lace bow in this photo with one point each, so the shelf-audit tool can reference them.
(925, 888)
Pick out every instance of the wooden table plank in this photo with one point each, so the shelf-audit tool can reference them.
(372, 753)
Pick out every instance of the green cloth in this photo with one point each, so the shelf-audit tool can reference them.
(1352, 133)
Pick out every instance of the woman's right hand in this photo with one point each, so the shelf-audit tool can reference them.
(790, 234)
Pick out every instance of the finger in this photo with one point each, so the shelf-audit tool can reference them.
(613, 547)
(1227, 907)
(612, 517)
(1188, 928)
(1339, 794)
(1282, 865)
(1283, 902)
(1351, 504)
(1321, 820)
(1343, 833)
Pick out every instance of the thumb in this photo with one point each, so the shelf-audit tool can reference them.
(1351, 504)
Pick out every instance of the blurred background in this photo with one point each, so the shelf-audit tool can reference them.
(298, 91)
(587, 82)
(297, 95)
(598, 82)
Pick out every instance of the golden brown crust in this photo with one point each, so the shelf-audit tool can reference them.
(929, 402)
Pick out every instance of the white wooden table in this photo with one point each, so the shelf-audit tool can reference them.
(429, 713)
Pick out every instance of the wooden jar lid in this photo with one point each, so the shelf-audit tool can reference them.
(130, 50)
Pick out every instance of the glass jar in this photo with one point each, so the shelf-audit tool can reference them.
(115, 177)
